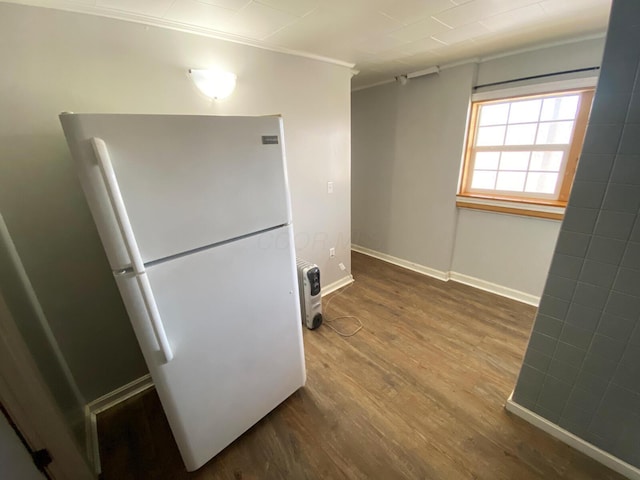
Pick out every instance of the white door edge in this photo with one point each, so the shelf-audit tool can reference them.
(31, 406)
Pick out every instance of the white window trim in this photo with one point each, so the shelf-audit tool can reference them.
(548, 87)
(531, 89)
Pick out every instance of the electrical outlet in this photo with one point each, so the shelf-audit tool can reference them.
(329, 187)
(332, 252)
(342, 267)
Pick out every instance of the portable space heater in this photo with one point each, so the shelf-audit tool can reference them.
(310, 298)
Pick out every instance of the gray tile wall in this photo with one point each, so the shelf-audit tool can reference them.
(582, 366)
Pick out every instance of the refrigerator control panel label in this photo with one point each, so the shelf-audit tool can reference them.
(270, 139)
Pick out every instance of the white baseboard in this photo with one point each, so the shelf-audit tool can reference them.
(127, 391)
(495, 288)
(416, 267)
(614, 463)
(338, 284)
(103, 403)
(456, 277)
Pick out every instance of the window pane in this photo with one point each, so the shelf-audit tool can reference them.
(541, 182)
(490, 136)
(560, 108)
(514, 160)
(519, 147)
(521, 134)
(511, 181)
(484, 180)
(527, 111)
(487, 161)
(554, 132)
(550, 161)
(494, 114)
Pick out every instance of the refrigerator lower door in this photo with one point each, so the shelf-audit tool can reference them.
(231, 314)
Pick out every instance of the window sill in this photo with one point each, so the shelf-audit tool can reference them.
(549, 212)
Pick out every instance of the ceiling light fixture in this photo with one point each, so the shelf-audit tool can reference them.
(215, 84)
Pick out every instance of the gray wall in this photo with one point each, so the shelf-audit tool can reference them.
(54, 61)
(582, 366)
(32, 325)
(559, 58)
(507, 250)
(407, 144)
(15, 461)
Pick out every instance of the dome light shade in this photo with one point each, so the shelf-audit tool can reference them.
(215, 84)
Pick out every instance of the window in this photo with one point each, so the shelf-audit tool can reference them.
(525, 149)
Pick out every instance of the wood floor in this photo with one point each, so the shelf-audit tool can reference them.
(417, 394)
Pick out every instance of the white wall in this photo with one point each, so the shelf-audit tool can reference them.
(406, 152)
(55, 61)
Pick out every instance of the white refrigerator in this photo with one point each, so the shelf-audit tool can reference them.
(195, 218)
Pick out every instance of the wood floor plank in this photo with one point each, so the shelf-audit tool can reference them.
(417, 394)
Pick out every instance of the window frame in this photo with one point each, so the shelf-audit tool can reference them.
(552, 208)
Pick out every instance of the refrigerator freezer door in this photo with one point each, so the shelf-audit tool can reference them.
(232, 317)
(186, 181)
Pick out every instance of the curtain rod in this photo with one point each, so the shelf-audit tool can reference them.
(533, 77)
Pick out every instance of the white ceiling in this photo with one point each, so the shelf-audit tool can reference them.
(383, 38)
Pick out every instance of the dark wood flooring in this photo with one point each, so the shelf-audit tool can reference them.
(417, 394)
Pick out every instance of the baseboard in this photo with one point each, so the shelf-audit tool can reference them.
(127, 391)
(495, 288)
(92, 409)
(457, 277)
(416, 267)
(614, 463)
(338, 284)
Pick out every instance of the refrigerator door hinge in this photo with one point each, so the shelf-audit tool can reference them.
(41, 458)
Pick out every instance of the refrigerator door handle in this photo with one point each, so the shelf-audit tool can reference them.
(117, 203)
